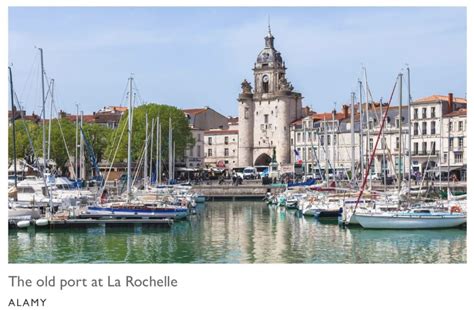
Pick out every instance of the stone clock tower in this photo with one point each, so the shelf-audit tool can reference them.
(265, 114)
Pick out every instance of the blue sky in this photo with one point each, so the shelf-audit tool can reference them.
(194, 57)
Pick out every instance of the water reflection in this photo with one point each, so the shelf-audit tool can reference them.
(244, 232)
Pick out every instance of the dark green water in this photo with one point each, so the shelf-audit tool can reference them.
(243, 232)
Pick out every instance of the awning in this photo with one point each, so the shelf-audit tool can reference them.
(445, 169)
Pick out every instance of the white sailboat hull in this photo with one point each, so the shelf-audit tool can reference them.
(410, 221)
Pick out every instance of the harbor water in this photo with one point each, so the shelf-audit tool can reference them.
(237, 232)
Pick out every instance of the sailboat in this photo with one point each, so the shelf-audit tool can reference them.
(417, 215)
(168, 207)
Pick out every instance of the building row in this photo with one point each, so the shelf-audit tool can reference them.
(272, 120)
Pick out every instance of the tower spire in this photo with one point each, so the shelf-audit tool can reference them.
(269, 28)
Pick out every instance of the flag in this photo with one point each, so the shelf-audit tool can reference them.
(298, 157)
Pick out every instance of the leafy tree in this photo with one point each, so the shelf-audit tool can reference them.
(96, 134)
(23, 149)
(99, 138)
(181, 133)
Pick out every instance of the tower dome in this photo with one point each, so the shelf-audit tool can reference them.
(269, 54)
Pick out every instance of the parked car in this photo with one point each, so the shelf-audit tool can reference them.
(250, 173)
(374, 176)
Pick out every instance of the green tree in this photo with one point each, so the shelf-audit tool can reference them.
(23, 148)
(97, 135)
(99, 138)
(181, 133)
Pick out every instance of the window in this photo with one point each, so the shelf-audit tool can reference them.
(398, 122)
(246, 113)
(433, 148)
(291, 141)
(199, 137)
(415, 148)
(415, 114)
(423, 128)
(423, 113)
(209, 152)
(226, 140)
(198, 151)
(371, 143)
(415, 129)
(209, 140)
(334, 139)
(460, 126)
(397, 143)
(265, 84)
(450, 126)
(265, 117)
(191, 152)
(433, 127)
(458, 158)
(226, 152)
(461, 142)
(423, 149)
(445, 157)
(450, 143)
(329, 139)
(433, 112)
(298, 137)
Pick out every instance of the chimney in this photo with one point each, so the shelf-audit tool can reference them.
(450, 102)
(345, 110)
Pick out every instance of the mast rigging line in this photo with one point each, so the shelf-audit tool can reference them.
(120, 119)
(375, 146)
(41, 171)
(113, 159)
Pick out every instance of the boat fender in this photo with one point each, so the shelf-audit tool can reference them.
(23, 224)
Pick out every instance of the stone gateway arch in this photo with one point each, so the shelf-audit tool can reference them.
(263, 160)
(265, 113)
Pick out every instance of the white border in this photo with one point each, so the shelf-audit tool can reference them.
(250, 286)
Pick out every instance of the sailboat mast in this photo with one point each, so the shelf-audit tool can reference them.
(50, 119)
(76, 167)
(409, 130)
(81, 149)
(304, 148)
(13, 125)
(151, 147)
(170, 152)
(129, 146)
(145, 160)
(367, 144)
(333, 132)
(44, 109)
(352, 138)
(384, 145)
(361, 130)
(158, 150)
(326, 151)
(400, 176)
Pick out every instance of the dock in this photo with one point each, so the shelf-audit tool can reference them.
(250, 190)
(116, 221)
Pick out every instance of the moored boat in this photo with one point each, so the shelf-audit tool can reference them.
(413, 219)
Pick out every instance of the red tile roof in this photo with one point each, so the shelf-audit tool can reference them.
(433, 98)
(460, 112)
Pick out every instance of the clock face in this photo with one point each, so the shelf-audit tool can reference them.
(265, 78)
